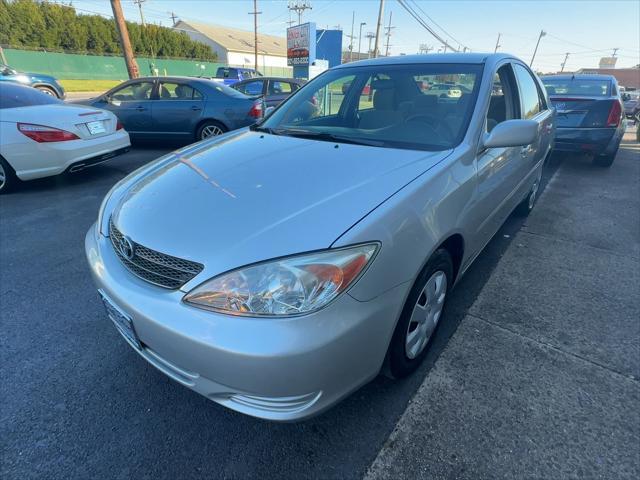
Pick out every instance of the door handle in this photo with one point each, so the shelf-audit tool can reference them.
(196, 108)
(140, 108)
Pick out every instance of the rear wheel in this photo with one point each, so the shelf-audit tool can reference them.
(605, 160)
(526, 206)
(8, 179)
(210, 128)
(420, 316)
(47, 90)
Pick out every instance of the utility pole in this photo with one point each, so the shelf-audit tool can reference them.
(353, 20)
(139, 3)
(360, 40)
(125, 43)
(566, 55)
(299, 6)
(173, 17)
(424, 48)
(386, 53)
(255, 14)
(370, 36)
(497, 43)
(378, 25)
(614, 52)
(542, 34)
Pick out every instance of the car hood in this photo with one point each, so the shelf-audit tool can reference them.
(247, 196)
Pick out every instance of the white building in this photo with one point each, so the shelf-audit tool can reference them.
(236, 47)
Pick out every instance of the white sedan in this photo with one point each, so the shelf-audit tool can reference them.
(41, 136)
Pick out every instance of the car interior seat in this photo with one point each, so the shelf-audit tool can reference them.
(385, 110)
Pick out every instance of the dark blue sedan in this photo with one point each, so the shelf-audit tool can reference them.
(45, 83)
(589, 114)
(178, 108)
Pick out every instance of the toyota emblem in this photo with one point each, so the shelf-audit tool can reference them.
(126, 248)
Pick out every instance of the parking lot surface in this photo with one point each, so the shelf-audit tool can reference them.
(541, 379)
(79, 403)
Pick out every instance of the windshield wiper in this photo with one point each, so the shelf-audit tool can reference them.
(326, 136)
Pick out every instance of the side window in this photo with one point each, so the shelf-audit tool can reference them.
(502, 105)
(178, 91)
(252, 88)
(133, 92)
(528, 92)
(277, 87)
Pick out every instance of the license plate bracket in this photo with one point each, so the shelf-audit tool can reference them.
(121, 320)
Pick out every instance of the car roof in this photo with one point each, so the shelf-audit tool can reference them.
(580, 76)
(280, 79)
(458, 58)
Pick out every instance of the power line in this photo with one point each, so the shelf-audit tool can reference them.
(426, 26)
(437, 25)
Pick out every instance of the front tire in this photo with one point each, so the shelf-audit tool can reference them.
(8, 178)
(48, 91)
(421, 316)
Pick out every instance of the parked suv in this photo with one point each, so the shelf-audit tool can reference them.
(45, 83)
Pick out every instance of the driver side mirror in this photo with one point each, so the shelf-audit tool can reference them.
(511, 133)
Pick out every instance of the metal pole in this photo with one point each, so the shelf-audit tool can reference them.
(353, 19)
(497, 43)
(542, 34)
(125, 42)
(380, 14)
(255, 14)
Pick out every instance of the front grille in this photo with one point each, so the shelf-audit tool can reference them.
(154, 267)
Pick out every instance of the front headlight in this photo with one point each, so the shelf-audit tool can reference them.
(288, 286)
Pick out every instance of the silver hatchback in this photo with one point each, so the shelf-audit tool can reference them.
(276, 269)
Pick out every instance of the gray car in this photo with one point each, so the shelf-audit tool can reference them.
(279, 268)
(275, 89)
(178, 108)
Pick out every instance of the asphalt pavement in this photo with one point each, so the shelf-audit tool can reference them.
(77, 402)
(541, 379)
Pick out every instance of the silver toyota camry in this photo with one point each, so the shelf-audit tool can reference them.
(278, 268)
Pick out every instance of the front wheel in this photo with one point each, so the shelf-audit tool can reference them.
(209, 129)
(48, 91)
(421, 315)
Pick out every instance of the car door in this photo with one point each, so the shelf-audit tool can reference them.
(534, 106)
(133, 105)
(499, 170)
(277, 92)
(177, 110)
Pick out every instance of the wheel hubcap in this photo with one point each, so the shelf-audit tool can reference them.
(426, 314)
(47, 91)
(532, 196)
(3, 177)
(210, 131)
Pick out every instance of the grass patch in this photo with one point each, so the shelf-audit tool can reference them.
(89, 85)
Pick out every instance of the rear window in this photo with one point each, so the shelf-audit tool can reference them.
(577, 86)
(15, 96)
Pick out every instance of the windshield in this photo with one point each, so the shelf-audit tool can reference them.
(420, 106)
(577, 86)
(15, 96)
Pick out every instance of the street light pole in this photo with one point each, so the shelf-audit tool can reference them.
(542, 34)
(497, 43)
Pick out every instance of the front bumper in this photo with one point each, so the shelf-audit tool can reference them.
(280, 369)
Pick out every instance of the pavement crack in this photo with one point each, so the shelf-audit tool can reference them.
(555, 348)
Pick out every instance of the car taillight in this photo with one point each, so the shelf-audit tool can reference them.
(256, 109)
(119, 125)
(614, 115)
(42, 134)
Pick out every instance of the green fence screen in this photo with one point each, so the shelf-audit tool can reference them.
(69, 66)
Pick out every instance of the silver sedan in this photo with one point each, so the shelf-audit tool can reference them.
(278, 268)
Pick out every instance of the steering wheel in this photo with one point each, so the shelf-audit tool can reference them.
(437, 125)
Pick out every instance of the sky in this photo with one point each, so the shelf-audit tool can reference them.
(586, 29)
